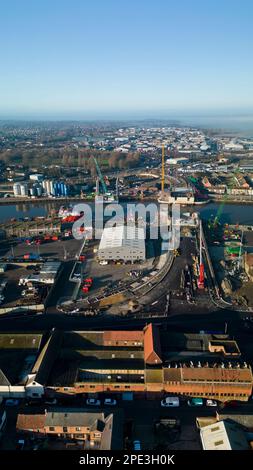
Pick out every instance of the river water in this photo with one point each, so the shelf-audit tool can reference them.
(231, 213)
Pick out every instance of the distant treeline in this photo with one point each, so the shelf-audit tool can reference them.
(69, 157)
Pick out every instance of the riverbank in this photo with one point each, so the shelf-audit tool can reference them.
(69, 199)
(26, 200)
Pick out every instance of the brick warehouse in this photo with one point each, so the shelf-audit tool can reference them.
(148, 363)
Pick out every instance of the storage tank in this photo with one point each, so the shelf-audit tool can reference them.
(62, 189)
(24, 189)
(32, 192)
(46, 184)
(39, 190)
(54, 189)
(58, 188)
(51, 187)
(17, 189)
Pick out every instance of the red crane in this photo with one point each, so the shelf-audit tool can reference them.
(201, 278)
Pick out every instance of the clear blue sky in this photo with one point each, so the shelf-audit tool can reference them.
(98, 57)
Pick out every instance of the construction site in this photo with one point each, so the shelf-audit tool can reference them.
(231, 248)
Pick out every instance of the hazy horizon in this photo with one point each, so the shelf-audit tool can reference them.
(238, 123)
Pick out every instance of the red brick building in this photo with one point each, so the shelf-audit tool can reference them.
(92, 430)
(148, 363)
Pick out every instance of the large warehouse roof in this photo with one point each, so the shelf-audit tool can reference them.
(121, 235)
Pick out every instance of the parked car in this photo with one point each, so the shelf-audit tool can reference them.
(195, 402)
(34, 402)
(93, 402)
(11, 402)
(20, 444)
(137, 445)
(231, 403)
(170, 401)
(110, 402)
(211, 403)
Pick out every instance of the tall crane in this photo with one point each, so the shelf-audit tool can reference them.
(212, 223)
(100, 176)
(240, 253)
(163, 169)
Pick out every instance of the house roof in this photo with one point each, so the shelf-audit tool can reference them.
(123, 336)
(122, 236)
(82, 339)
(154, 375)
(207, 374)
(18, 353)
(20, 341)
(79, 417)
(47, 357)
(3, 379)
(217, 373)
(244, 420)
(95, 421)
(223, 435)
(172, 374)
(30, 422)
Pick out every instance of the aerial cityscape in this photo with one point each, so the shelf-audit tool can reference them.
(126, 256)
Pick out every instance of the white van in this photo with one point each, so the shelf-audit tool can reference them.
(170, 401)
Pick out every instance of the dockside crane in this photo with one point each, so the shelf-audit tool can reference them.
(240, 252)
(163, 169)
(201, 278)
(101, 179)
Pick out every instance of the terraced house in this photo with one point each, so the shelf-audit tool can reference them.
(91, 430)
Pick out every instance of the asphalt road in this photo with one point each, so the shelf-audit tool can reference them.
(62, 288)
(190, 322)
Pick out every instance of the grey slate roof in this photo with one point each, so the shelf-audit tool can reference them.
(3, 379)
(95, 421)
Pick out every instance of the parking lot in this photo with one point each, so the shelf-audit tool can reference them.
(111, 275)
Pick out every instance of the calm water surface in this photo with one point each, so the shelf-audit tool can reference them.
(231, 213)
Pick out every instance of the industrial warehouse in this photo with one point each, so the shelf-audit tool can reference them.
(122, 243)
(138, 364)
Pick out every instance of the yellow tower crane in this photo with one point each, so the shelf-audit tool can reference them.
(163, 169)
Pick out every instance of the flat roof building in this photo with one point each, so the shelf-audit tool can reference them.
(122, 243)
(223, 435)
